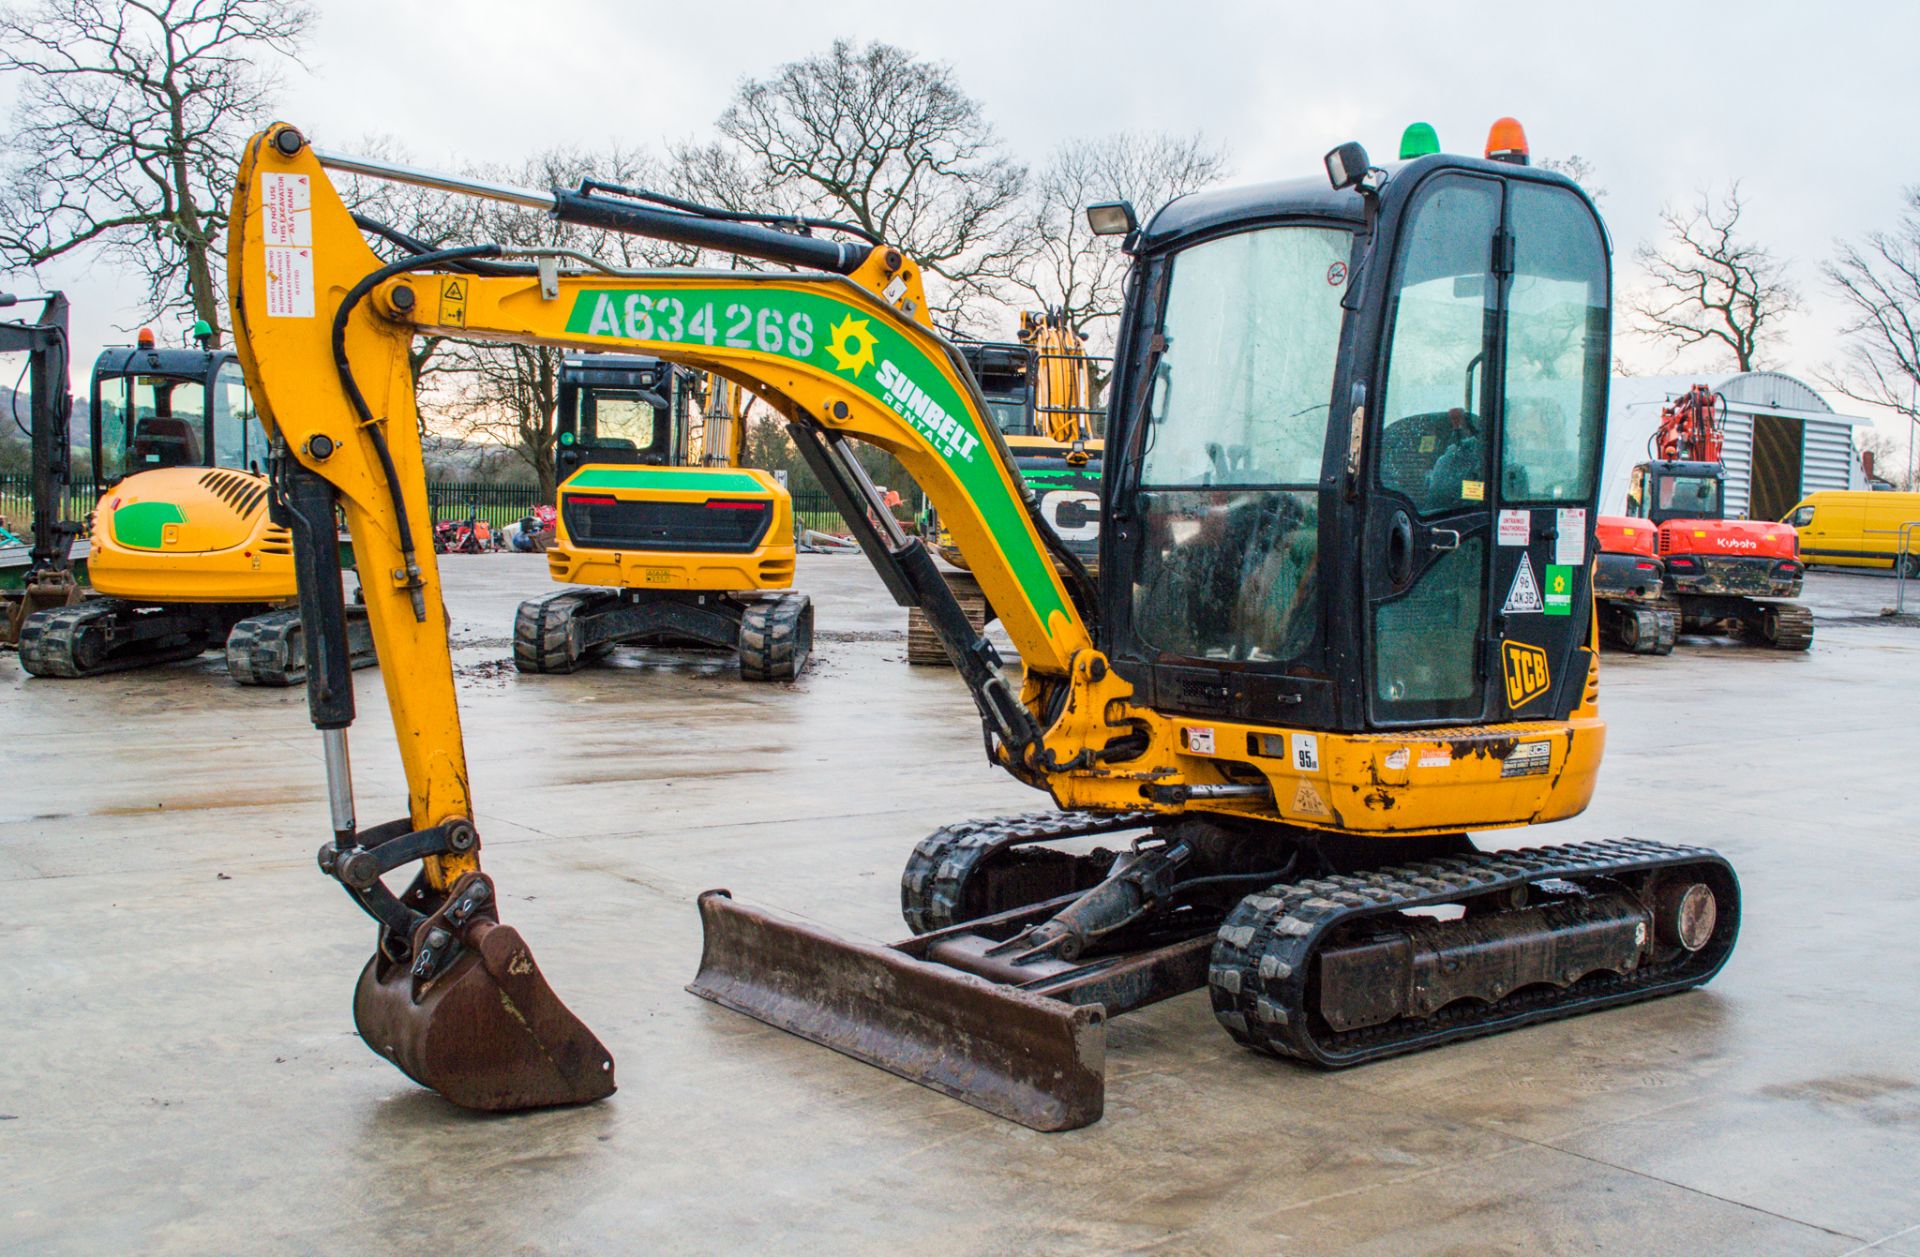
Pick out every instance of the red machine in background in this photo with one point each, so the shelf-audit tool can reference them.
(1713, 572)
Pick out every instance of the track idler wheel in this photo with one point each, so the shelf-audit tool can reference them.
(470, 1015)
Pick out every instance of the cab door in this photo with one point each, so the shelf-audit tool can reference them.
(1552, 407)
(1487, 439)
(1428, 520)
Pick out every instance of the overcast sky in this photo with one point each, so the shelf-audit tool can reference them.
(1811, 106)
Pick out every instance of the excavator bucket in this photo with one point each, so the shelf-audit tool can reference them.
(40, 593)
(487, 1032)
(1040, 1062)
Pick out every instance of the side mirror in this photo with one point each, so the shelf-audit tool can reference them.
(1347, 165)
(1112, 218)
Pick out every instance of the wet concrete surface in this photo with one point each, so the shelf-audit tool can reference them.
(179, 1071)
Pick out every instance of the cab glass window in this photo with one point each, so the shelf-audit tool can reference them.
(1434, 425)
(1697, 497)
(1556, 366)
(1244, 385)
(617, 419)
(238, 440)
(1801, 517)
(1228, 565)
(152, 421)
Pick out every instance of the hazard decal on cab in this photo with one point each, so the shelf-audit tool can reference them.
(1526, 673)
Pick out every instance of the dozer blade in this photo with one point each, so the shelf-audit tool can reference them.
(1036, 1061)
(487, 1032)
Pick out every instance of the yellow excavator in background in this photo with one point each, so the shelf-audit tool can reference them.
(1040, 392)
(685, 547)
(1297, 687)
(181, 549)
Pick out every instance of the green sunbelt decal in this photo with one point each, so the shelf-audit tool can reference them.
(664, 478)
(140, 525)
(841, 339)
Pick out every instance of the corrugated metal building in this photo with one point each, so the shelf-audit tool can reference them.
(1783, 441)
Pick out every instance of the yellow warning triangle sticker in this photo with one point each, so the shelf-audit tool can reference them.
(453, 291)
(1306, 799)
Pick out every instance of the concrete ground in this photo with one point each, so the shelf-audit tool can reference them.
(179, 1071)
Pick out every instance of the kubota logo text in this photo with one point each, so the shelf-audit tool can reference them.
(1526, 671)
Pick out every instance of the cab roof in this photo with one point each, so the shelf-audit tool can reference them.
(1203, 213)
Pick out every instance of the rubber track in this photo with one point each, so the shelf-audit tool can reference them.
(776, 638)
(542, 630)
(934, 884)
(51, 641)
(266, 649)
(1263, 953)
(1795, 626)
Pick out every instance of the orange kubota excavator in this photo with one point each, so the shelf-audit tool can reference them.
(1291, 696)
(1674, 561)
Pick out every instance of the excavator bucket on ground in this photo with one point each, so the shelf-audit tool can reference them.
(485, 1030)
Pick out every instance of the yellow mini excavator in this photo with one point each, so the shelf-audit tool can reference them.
(685, 546)
(181, 546)
(1039, 391)
(1305, 675)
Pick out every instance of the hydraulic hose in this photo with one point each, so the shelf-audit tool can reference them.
(344, 368)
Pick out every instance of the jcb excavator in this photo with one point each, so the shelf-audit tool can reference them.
(1039, 392)
(685, 546)
(180, 546)
(1293, 694)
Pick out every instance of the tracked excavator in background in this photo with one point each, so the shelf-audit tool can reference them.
(1266, 734)
(679, 544)
(181, 550)
(1040, 392)
(1675, 562)
(48, 582)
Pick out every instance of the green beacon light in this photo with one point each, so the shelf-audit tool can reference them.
(566, 438)
(202, 331)
(1418, 140)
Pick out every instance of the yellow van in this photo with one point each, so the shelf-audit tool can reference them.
(1857, 528)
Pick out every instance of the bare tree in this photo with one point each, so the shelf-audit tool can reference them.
(1878, 281)
(506, 394)
(1070, 268)
(1711, 285)
(128, 129)
(427, 217)
(891, 143)
(1580, 170)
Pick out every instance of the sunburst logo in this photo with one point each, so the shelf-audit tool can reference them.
(852, 345)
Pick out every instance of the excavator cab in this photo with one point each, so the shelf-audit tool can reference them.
(1353, 451)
